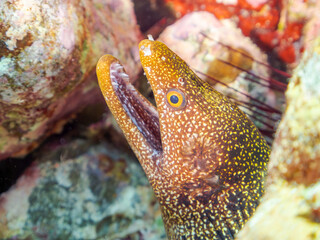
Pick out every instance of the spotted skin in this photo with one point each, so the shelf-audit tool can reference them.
(208, 168)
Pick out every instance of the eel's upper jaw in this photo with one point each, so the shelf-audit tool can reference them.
(133, 112)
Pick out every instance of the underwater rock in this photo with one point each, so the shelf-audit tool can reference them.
(48, 52)
(286, 212)
(205, 43)
(290, 207)
(81, 190)
(296, 149)
(229, 61)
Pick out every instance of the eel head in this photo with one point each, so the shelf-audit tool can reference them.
(205, 160)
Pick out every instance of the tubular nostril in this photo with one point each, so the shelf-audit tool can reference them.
(150, 37)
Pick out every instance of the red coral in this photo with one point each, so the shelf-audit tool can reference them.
(258, 20)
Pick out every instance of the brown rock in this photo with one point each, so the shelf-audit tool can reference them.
(48, 53)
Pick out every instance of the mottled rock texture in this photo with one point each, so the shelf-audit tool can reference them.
(48, 52)
(296, 150)
(287, 212)
(81, 190)
(290, 208)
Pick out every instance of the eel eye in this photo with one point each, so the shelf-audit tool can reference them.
(176, 98)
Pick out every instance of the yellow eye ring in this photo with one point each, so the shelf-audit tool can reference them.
(176, 99)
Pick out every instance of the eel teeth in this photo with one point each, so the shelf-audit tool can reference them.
(123, 75)
(118, 66)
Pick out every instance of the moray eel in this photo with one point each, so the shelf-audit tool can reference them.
(205, 160)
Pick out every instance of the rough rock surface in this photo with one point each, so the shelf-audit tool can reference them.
(290, 208)
(286, 212)
(81, 190)
(48, 52)
(296, 150)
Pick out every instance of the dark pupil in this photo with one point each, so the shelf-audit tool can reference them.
(174, 99)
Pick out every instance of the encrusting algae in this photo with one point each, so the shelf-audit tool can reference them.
(205, 160)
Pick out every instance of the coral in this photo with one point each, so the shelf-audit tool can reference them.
(276, 26)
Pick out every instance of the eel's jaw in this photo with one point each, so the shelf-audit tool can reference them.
(143, 115)
(136, 116)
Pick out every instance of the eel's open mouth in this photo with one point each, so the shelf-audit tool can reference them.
(141, 112)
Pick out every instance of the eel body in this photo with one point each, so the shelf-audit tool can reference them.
(205, 160)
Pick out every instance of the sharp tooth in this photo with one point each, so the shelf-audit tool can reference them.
(124, 75)
(114, 84)
(118, 66)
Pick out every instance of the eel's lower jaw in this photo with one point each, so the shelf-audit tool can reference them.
(142, 113)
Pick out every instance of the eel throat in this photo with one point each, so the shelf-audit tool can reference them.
(204, 158)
